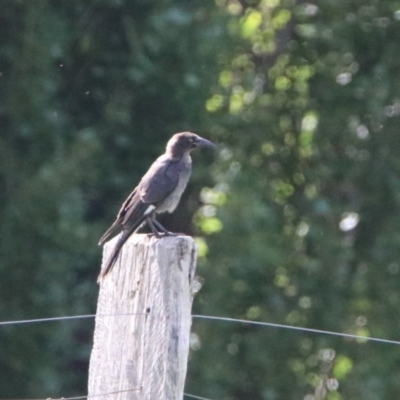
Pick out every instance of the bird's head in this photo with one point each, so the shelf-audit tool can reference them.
(183, 142)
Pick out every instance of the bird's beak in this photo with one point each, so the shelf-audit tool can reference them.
(205, 143)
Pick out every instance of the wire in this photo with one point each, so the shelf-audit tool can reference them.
(298, 328)
(195, 397)
(242, 321)
(106, 394)
(83, 397)
(29, 321)
(209, 317)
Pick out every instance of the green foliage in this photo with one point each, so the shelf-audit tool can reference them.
(309, 169)
(298, 225)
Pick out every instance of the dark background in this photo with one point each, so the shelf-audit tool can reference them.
(296, 216)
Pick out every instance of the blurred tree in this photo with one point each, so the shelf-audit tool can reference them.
(307, 194)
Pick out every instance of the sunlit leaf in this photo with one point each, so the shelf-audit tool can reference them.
(211, 225)
(214, 103)
(250, 23)
(201, 246)
(343, 367)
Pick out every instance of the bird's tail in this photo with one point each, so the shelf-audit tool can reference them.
(114, 229)
(113, 257)
(117, 248)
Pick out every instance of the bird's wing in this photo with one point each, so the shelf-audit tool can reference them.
(126, 204)
(160, 181)
(130, 213)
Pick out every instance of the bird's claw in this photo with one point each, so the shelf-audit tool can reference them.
(160, 235)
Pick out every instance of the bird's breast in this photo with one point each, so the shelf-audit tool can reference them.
(171, 201)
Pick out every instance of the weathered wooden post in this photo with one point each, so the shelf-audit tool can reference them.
(141, 339)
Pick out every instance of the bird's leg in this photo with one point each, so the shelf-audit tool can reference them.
(153, 223)
(153, 228)
(157, 229)
(162, 229)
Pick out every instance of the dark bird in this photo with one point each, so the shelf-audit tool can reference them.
(159, 191)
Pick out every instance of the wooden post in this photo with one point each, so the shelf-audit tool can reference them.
(141, 338)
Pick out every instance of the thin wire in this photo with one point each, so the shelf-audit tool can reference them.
(195, 397)
(243, 321)
(83, 397)
(210, 317)
(298, 328)
(107, 394)
(68, 317)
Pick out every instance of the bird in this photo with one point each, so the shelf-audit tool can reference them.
(159, 191)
